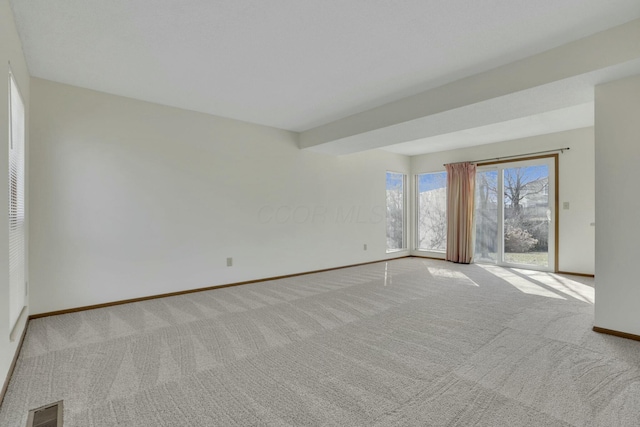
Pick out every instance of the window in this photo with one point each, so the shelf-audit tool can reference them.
(432, 212)
(395, 211)
(17, 285)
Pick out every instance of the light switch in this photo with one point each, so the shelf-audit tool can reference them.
(565, 205)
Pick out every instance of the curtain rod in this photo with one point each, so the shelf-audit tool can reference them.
(561, 150)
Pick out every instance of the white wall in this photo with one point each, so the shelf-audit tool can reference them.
(576, 186)
(617, 147)
(131, 199)
(10, 51)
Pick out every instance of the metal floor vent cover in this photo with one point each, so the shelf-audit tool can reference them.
(46, 416)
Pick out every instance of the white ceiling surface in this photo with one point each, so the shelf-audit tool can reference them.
(288, 63)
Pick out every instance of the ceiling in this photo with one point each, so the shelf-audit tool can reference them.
(293, 64)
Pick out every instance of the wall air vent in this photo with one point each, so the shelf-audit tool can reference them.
(46, 416)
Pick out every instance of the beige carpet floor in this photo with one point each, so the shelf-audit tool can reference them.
(410, 342)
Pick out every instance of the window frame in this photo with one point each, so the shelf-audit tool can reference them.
(552, 162)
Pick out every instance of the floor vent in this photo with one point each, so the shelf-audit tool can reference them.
(46, 416)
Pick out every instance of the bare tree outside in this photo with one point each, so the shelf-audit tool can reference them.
(520, 184)
(432, 211)
(526, 215)
(395, 211)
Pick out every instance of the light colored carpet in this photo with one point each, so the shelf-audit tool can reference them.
(406, 342)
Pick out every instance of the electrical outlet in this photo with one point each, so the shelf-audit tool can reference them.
(365, 246)
(229, 262)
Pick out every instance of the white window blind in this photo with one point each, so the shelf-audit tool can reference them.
(17, 285)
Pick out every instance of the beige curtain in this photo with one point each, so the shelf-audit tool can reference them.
(461, 185)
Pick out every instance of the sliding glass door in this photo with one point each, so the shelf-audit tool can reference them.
(515, 214)
(486, 248)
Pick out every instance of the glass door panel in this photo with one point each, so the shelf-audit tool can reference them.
(486, 207)
(527, 215)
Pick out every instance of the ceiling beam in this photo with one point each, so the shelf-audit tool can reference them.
(570, 68)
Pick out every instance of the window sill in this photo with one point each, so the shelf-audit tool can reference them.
(393, 251)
